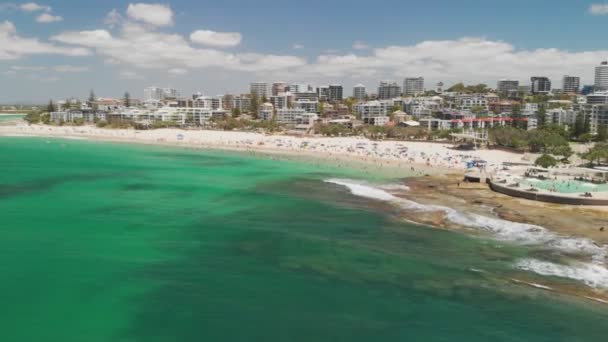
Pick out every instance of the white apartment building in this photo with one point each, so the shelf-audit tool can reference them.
(413, 86)
(529, 109)
(372, 109)
(282, 100)
(309, 106)
(601, 76)
(242, 103)
(466, 102)
(359, 92)
(260, 89)
(153, 93)
(266, 111)
(289, 116)
(560, 116)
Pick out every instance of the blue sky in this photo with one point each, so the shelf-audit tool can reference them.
(77, 48)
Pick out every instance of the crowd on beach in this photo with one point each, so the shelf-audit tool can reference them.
(380, 153)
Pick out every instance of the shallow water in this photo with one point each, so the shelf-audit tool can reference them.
(110, 242)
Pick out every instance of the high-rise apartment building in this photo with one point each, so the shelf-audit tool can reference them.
(601, 76)
(413, 86)
(388, 90)
(540, 85)
(507, 88)
(153, 94)
(260, 89)
(336, 93)
(359, 92)
(278, 88)
(571, 84)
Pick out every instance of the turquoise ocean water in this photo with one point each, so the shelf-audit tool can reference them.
(110, 242)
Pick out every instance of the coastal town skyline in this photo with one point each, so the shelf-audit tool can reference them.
(49, 51)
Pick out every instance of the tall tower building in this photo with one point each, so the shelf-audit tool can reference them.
(540, 85)
(359, 92)
(336, 93)
(601, 76)
(388, 90)
(278, 88)
(413, 86)
(571, 84)
(260, 89)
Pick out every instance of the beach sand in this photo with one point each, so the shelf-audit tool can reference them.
(433, 157)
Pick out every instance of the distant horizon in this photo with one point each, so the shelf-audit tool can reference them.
(63, 49)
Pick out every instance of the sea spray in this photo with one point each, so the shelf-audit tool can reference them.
(593, 274)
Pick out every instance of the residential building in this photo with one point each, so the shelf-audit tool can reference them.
(601, 76)
(309, 106)
(336, 93)
(260, 89)
(469, 101)
(561, 116)
(507, 88)
(153, 93)
(278, 88)
(242, 103)
(359, 92)
(571, 84)
(282, 100)
(370, 110)
(540, 85)
(169, 94)
(413, 86)
(289, 116)
(599, 97)
(306, 95)
(266, 111)
(388, 90)
(323, 93)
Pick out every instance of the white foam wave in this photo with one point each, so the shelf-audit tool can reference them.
(591, 274)
(520, 233)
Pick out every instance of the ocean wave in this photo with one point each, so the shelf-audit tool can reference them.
(593, 275)
(504, 230)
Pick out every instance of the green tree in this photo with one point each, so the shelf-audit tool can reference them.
(236, 112)
(254, 105)
(458, 88)
(602, 133)
(546, 161)
(127, 99)
(579, 126)
(585, 138)
(50, 107)
(91, 100)
(597, 153)
(541, 117)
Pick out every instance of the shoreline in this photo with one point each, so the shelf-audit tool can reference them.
(407, 156)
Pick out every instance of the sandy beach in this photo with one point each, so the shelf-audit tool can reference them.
(430, 156)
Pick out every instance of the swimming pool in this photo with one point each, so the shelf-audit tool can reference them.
(565, 186)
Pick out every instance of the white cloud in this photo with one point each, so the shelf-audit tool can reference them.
(141, 47)
(70, 68)
(598, 9)
(466, 59)
(177, 71)
(217, 39)
(153, 14)
(130, 75)
(34, 7)
(297, 46)
(27, 68)
(113, 19)
(12, 46)
(360, 46)
(46, 18)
